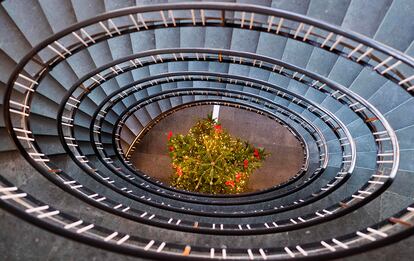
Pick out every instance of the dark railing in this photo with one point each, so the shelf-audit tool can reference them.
(127, 69)
(121, 91)
(124, 92)
(136, 197)
(227, 202)
(179, 79)
(357, 48)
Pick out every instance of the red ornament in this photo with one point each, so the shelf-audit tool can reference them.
(246, 163)
(230, 183)
(179, 171)
(171, 148)
(256, 154)
(170, 135)
(238, 177)
(217, 128)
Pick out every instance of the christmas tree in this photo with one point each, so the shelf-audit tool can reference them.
(209, 160)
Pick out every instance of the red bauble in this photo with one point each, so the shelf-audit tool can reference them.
(217, 128)
(246, 163)
(171, 148)
(256, 154)
(230, 183)
(170, 134)
(179, 171)
(238, 177)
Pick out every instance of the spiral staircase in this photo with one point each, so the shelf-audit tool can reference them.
(82, 82)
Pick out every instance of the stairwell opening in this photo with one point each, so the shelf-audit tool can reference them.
(286, 152)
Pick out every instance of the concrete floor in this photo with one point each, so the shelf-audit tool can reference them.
(285, 160)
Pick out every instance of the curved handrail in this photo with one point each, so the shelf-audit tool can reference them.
(216, 6)
(318, 78)
(394, 160)
(395, 146)
(95, 200)
(198, 229)
(96, 72)
(214, 200)
(99, 239)
(213, 92)
(122, 92)
(163, 206)
(131, 85)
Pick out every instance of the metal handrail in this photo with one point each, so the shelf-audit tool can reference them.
(391, 137)
(161, 205)
(213, 6)
(121, 90)
(7, 189)
(272, 61)
(189, 90)
(213, 200)
(96, 72)
(199, 229)
(124, 93)
(124, 214)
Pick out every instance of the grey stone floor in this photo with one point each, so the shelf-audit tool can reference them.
(285, 160)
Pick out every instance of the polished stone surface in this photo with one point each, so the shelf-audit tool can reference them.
(286, 157)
